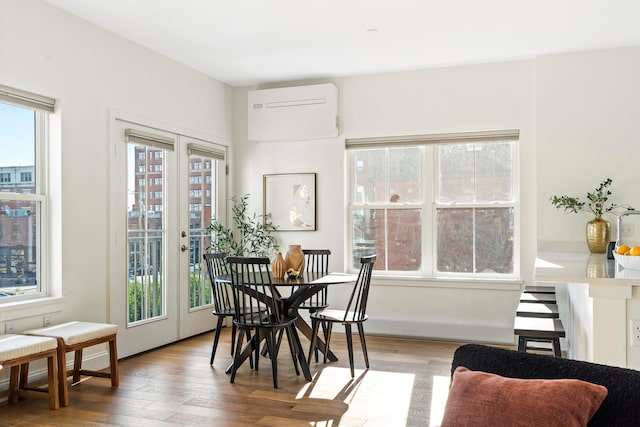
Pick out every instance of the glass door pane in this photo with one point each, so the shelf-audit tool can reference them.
(202, 191)
(203, 172)
(146, 232)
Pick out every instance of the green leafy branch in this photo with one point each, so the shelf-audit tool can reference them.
(250, 236)
(596, 202)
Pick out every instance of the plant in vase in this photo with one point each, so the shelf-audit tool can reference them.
(596, 203)
(251, 235)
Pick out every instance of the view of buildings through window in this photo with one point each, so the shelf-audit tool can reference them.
(20, 202)
(435, 209)
(146, 198)
(475, 208)
(145, 233)
(146, 229)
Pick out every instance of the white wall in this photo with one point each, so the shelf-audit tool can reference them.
(89, 72)
(473, 98)
(588, 130)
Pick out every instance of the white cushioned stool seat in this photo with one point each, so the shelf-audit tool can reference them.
(77, 332)
(17, 346)
(16, 352)
(75, 336)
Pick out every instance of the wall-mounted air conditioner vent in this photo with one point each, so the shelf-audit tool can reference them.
(293, 113)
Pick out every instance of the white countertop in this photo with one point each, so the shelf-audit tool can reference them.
(560, 264)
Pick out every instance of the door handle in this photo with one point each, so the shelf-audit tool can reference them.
(183, 248)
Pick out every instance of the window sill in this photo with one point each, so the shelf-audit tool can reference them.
(447, 283)
(30, 308)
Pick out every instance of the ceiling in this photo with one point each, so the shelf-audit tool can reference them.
(250, 42)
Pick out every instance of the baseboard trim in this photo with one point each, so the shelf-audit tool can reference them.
(442, 331)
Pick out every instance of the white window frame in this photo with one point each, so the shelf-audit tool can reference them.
(429, 182)
(14, 306)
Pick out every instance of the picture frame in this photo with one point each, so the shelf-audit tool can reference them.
(290, 200)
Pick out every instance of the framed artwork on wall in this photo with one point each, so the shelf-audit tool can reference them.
(290, 199)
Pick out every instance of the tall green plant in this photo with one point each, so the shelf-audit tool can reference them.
(250, 236)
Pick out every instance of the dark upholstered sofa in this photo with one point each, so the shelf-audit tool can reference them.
(620, 408)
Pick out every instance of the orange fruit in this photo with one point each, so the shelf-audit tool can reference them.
(635, 251)
(623, 249)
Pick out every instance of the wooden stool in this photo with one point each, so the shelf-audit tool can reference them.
(16, 352)
(75, 336)
(535, 329)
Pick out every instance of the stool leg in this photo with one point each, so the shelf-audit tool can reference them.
(24, 376)
(13, 384)
(113, 363)
(52, 373)
(556, 347)
(77, 365)
(522, 343)
(63, 387)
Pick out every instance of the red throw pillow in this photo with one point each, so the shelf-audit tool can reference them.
(482, 399)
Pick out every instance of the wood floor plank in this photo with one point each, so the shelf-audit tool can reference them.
(175, 385)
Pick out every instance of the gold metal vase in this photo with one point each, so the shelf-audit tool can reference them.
(598, 234)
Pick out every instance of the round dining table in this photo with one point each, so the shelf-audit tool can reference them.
(303, 287)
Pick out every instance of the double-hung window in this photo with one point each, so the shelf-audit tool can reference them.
(435, 205)
(23, 193)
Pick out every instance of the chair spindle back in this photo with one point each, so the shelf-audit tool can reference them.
(221, 292)
(317, 260)
(254, 296)
(357, 306)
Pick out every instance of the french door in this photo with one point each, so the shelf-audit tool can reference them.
(165, 188)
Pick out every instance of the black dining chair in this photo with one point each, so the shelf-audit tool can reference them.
(222, 297)
(316, 260)
(257, 310)
(355, 312)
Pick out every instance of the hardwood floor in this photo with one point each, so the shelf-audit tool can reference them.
(175, 385)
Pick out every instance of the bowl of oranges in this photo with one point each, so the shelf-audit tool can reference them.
(628, 256)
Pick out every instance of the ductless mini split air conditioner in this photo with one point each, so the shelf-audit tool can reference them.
(293, 113)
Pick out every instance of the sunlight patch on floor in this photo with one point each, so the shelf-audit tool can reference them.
(438, 399)
(387, 394)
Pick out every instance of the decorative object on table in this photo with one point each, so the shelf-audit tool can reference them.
(279, 266)
(598, 235)
(295, 258)
(250, 236)
(598, 230)
(290, 200)
(293, 274)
